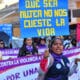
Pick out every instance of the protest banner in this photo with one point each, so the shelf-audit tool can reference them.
(39, 18)
(6, 33)
(6, 28)
(6, 53)
(9, 53)
(72, 54)
(27, 67)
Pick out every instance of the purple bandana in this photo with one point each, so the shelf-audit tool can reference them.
(30, 48)
(42, 46)
(57, 56)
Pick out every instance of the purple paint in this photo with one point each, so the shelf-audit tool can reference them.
(30, 72)
(9, 51)
(13, 76)
(7, 64)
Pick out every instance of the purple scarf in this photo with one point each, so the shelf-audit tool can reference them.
(42, 46)
(57, 56)
(30, 48)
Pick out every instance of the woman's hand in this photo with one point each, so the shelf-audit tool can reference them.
(46, 53)
(44, 61)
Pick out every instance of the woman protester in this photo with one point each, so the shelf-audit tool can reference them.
(27, 48)
(42, 46)
(2, 44)
(56, 66)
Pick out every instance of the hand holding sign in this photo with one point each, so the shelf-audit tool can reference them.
(46, 53)
(44, 61)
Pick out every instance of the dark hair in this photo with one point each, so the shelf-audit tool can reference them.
(42, 39)
(53, 41)
(3, 42)
(74, 42)
(25, 41)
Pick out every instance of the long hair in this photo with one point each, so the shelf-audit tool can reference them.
(53, 41)
(24, 41)
(3, 43)
(24, 44)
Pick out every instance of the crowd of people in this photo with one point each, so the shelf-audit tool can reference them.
(39, 45)
(57, 65)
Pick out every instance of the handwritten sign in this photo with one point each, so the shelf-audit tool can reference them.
(7, 28)
(39, 18)
(25, 68)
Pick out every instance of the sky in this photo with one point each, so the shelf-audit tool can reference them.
(7, 2)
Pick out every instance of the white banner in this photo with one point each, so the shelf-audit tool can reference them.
(24, 72)
(25, 68)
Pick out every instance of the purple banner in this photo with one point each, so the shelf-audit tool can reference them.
(10, 63)
(72, 52)
(7, 52)
(7, 64)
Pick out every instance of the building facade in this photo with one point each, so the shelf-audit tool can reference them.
(10, 14)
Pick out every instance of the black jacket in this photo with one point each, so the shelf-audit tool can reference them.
(58, 71)
(23, 51)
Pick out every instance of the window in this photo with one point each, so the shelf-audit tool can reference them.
(76, 13)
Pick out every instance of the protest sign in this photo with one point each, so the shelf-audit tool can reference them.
(6, 29)
(25, 68)
(39, 18)
(9, 53)
(6, 33)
